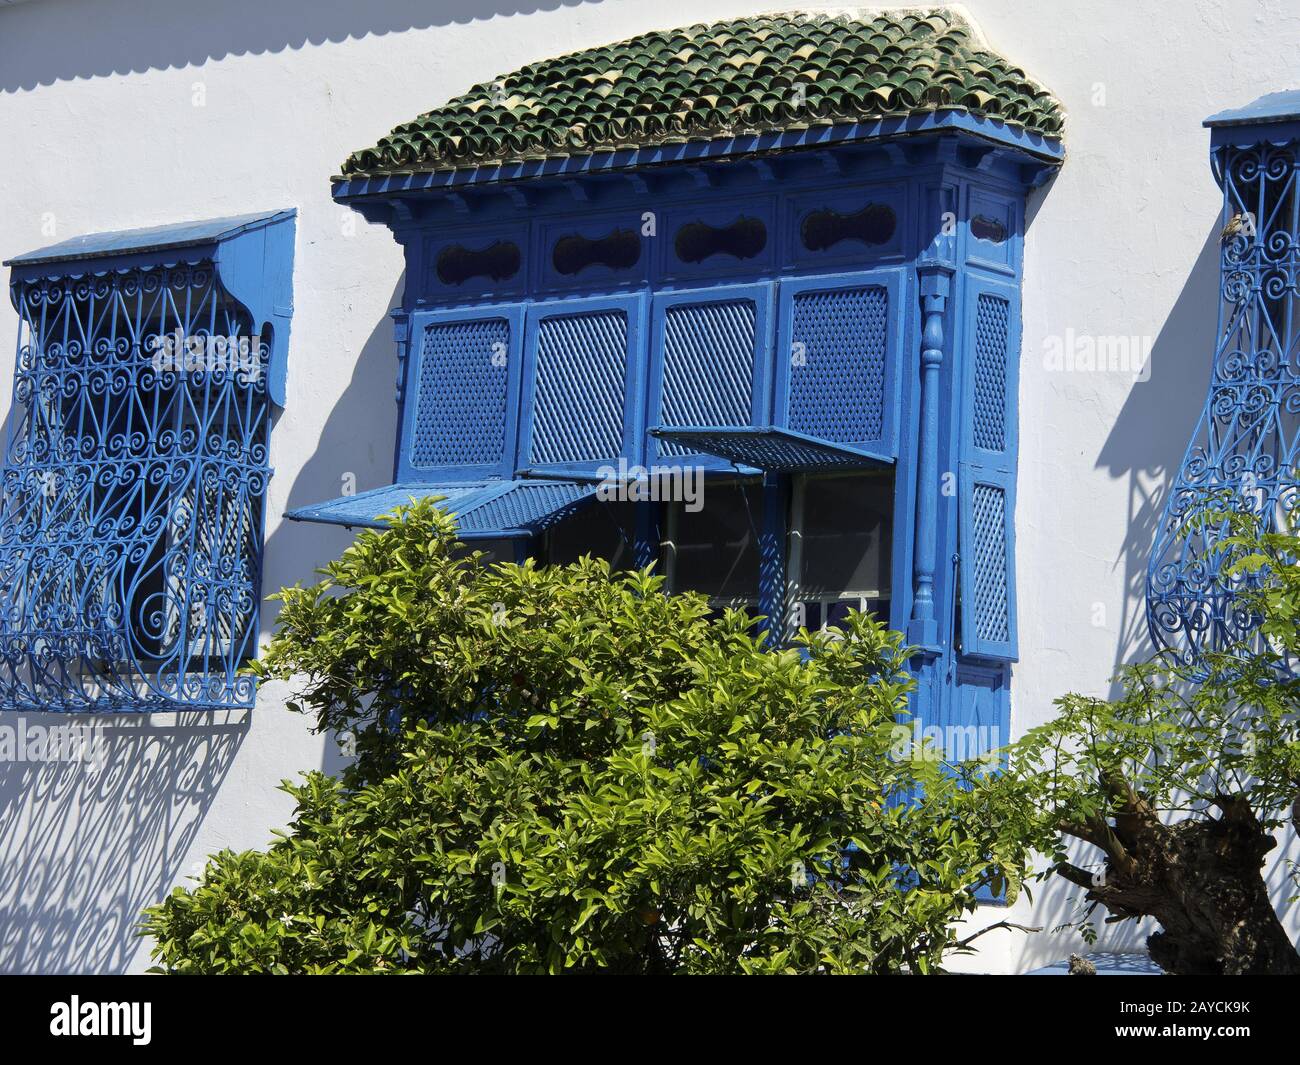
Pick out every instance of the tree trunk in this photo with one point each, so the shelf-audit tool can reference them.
(1199, 878)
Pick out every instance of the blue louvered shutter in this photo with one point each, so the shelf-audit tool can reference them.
(987, 477)
(460, 402)
(711, 363)
(837, 359)
(581, 372)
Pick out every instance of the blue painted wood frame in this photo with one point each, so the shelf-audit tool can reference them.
(407, 471)
(634, 380)
(846, 200)
(762, 296)
(984, 206)
(946, 174)
(592, 225)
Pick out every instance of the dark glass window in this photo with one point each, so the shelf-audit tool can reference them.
(494, 550)
(603, 530)
(619, 250)
(874, 224)
(988, 229)
(841, 531)
(714, 550)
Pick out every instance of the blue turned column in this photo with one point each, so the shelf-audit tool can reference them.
(401, 338)
(923, 629)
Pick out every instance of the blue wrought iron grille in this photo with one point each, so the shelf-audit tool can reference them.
(1247, 443)
(837, 372)
(461, 393)
(580, 382)
(989, 423)
(708, 376)
(133, 491)
(989, 524)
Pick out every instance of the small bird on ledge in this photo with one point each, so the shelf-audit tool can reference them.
(1240, 223)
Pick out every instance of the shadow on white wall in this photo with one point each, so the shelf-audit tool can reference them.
(1150, 436)
(166, 34)
(85, 847)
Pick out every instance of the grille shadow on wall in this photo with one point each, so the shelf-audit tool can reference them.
(87, 840)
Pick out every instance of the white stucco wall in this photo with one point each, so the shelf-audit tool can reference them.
(123, 113)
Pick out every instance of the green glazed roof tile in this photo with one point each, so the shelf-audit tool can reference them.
(752, 75)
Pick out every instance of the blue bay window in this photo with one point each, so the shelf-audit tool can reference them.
(136, 465)
(811, 307)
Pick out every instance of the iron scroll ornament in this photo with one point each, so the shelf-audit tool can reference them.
(1246, 446)
(133, 492)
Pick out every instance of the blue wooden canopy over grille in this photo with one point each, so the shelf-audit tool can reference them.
(771, 449)
(136, 465)
(252, 254)
(483, 511)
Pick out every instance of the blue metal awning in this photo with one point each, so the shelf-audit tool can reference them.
(251, 253)
(773, 449)
(1275, 107)
(484, 510)
(149, 238)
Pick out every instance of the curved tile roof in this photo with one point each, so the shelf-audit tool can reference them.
(769, 72)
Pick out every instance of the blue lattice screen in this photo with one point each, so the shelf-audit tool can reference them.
(988, 477)
(990, 407)
(988, 559)
(580, 387)
(536, 505)
(708, 366)
(133, 490)
(837, 377)
(461, 394)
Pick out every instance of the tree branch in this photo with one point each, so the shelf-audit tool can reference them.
(1000, 924)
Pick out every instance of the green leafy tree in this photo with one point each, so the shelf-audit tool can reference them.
(560, 769)
(1179, 787)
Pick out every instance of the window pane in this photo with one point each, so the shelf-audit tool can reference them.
(495, 550)
(603, 529)
(716, 547)
(846, 537)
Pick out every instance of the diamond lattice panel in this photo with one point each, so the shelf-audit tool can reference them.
(708, 366)
(460, 415)
(990, 420)
(581, 370)
(837, 372)
(992, 621)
